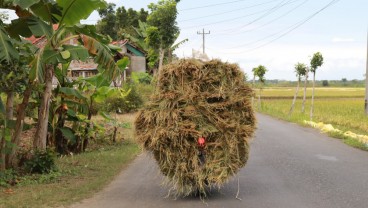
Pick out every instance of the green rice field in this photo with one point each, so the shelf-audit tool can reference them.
(287, 92)
(341, 107)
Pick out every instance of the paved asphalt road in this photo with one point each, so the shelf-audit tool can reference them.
(289, 167)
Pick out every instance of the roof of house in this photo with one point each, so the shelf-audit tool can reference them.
(38, 41)
(131, 47)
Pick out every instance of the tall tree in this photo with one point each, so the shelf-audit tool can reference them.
(260, 72)
(305, 89)
(115, 22)
(316, 61)
(162, 31)
(107, 24)
(300, 71)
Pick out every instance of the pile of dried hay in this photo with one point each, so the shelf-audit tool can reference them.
(193, 100)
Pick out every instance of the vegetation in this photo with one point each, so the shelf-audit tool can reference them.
(316, 61)
(259, 72)
(77, 177)
(56, 27)
(116, 23)
(163, 30)
(340, 107)
(320, 92)
(319, 83)
(43, 123)
(300, 70)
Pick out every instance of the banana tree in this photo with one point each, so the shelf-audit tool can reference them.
(76, 106)
(62, 38)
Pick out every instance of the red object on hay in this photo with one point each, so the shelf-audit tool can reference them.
(201, 142)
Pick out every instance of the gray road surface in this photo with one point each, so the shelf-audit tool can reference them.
(289, 167)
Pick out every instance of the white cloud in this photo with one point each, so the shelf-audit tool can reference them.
(339, 40)
(346, 61)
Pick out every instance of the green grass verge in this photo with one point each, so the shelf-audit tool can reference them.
(79, 177)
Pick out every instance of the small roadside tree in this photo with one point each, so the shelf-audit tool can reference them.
(259, 72)
(305, 88)
(300, 70)
(316, 61)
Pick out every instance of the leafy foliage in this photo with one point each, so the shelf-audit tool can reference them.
(120, 21)
(300, 70)
(259, 72)
(42, 161)
(163, 19)
(125, 104)
(316, 61)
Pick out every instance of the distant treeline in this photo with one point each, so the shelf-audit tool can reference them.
(319, 83)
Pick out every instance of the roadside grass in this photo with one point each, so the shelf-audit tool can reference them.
(345, 114)
(78, 176)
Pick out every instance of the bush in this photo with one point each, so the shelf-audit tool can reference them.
(325, 83)
(142, 77)
(7, 178)
(41, 162)
(130, 103)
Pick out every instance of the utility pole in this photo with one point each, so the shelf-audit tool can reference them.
(366, 82)
(203, 34)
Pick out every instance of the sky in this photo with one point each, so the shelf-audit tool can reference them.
(274, 33)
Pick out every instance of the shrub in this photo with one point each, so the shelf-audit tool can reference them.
(325, 83)
(141, 77)
(41, 162)
(130, 103)
(7, 178)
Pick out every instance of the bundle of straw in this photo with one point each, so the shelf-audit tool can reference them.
(192, 100)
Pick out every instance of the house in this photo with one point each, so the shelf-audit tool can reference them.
(89, 68)
(136, 56)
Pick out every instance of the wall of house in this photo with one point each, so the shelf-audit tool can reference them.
(138, 64)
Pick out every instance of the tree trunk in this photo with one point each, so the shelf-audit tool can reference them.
(169, 55)
(21, 113)
(161, 60)
(305, 90)
(2, 148)
(254, 82)
(2, 151)
(296, 94)
(312, 105)
(8, 117)
(9, 105)
(259, 98)
(39, 141)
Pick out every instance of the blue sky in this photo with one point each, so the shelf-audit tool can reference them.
(339, 32)
(253, 32)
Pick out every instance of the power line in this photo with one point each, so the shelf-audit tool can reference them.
(234, 10)
(272, 10)
(292, 28)
(210, 5)
(279, 17)
(269, 22)
(240, 17)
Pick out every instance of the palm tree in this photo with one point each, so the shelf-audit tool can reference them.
(316, 61)
(300, 70)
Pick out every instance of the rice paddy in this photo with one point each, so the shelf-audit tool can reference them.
(343, 108)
